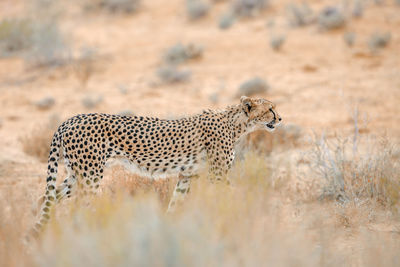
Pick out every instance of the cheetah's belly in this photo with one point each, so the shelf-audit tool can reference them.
(186, 167)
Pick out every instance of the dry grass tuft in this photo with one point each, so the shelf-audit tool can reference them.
(37, 142)
(113, 6)
(286, 136)
(14, 220)
(134, 184)
(357, 174)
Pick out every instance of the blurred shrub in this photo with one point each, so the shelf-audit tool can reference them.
(45, 103)
(133, 184)
(171, 74)
(180, 53)
(349, 38)
(284, 137)
(253, 174)
(300, 15)
(276, 42)
(127, 113)
(37, 142)
(91, 101)
(378, 40)
(331, 18)
(358, 9)
(196, 9)
(15, 36)
(248, 8)
(48, 46)
(226, 20)
(253, 86)
(288, 133)
(114, 6)
(169, 71)
(353, 175)
(41, 43)
(84, 65)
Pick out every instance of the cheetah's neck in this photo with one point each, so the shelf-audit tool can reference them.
(237, 120)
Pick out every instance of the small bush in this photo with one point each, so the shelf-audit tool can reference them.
(180, 53)
(41, 43)
(276, 42)
(349, 38)
(226, 20)
(358, 9)
(84, 65)
(36, 38)
(378, 41)
(300, 15)
(196, 9)
(352, 175)
(253, 86)
(214, 97)
(254, 173)
(37, 142)
(45, 103)
(15, 36)
(127, 113)
(48, 46)
(171, 74)
(284, 137)
(175, 55)
(248, 8)
(331, 18)
(115, 6)
(92, 101)
(133, 184)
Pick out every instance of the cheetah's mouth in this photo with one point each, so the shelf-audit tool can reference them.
(270, 126)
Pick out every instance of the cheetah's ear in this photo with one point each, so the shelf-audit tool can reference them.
(247, 104)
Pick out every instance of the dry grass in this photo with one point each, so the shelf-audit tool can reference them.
(37, 142)
(132, 184)
(353, 173)
(259, 219)
(286, 136)
(14, 220)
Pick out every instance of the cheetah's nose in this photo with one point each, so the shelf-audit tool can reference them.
(280, 119)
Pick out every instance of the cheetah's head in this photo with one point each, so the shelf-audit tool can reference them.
(261, 113)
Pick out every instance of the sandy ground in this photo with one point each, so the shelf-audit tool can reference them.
(316, 80)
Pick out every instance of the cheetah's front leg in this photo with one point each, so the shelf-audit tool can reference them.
(181, 189)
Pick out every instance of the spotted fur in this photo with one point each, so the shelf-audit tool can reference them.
(156, 147)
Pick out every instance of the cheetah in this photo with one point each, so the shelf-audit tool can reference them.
(156, 147)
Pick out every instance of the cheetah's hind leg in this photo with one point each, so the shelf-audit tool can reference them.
(66, 188)
(182, 188)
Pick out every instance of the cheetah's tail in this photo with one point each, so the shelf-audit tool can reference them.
(48, 200)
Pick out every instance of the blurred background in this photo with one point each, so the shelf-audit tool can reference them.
(332, 68)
